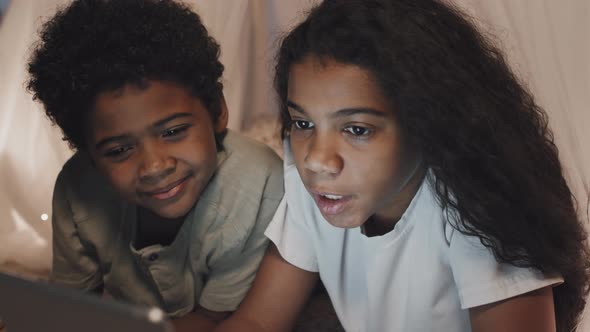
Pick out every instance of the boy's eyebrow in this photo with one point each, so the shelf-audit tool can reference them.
(156, 124)
(162, 122)
(342, 112)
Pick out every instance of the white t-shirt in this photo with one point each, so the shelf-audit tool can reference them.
(422, 276)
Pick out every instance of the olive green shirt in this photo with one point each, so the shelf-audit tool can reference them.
(211, 262)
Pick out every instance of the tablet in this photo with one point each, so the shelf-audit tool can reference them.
(27, 306)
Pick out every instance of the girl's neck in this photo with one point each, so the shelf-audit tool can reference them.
(379, 224)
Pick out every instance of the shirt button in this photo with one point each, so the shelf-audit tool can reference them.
(153, 257)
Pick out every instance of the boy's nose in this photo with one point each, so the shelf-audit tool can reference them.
(323, 158)
(155, 166)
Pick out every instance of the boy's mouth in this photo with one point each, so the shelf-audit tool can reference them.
(168, 191)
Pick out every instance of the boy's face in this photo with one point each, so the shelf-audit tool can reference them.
(347, 145)
(156, 145)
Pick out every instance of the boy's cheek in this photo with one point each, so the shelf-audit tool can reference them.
(120, 179)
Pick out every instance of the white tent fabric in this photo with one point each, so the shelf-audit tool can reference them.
(546, 41)
(31, 151)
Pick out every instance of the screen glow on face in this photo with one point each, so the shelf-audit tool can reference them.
(156, 146)
(347, 144)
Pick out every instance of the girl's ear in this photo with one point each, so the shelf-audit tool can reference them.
(222, 118)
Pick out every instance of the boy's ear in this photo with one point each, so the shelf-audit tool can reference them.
(87, 155)
(222, 118)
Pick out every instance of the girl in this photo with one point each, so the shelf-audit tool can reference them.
(422, 183)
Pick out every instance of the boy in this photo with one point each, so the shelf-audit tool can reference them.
(160, 205)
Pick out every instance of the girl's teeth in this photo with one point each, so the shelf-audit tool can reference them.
(334, 197)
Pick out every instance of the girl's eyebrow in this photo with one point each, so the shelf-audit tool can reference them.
(295, 107)
(359, 110)
(342, 112)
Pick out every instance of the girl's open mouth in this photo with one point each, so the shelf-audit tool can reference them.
(331, 204)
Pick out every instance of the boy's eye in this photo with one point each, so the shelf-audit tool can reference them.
(172, 132)
(358, 130)
(118, 152)
(302, 124)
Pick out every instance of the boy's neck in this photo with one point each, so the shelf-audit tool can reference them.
(153, 229)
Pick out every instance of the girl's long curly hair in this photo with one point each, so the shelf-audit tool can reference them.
(481, 132)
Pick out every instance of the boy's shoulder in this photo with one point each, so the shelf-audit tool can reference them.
(79, 173)
(86, 191)
(241, 197)
(247, 173)
(248, 157)
(241, 146)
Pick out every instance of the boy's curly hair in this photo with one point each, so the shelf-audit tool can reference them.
(482, 134)
(93, 46)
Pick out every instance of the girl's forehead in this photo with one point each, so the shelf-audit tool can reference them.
(333, 85)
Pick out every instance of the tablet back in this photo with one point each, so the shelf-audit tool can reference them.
(27, 306)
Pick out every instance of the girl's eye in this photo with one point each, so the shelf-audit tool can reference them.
(302, 124)
(172, 132)
(358, 131)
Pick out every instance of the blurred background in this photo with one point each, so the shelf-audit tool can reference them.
(546, 42)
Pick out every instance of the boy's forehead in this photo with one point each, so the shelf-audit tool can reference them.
(139, 95)
(134, 108)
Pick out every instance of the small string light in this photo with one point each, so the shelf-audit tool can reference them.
(155, 315)
(44, 217)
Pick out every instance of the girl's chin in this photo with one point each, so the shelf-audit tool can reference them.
(343, 222)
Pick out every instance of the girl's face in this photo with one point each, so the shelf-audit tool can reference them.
(347, 144)
(156, 146)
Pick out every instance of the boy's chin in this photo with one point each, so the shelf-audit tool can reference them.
(172, 211)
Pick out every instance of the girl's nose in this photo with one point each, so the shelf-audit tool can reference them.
(323, 157)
